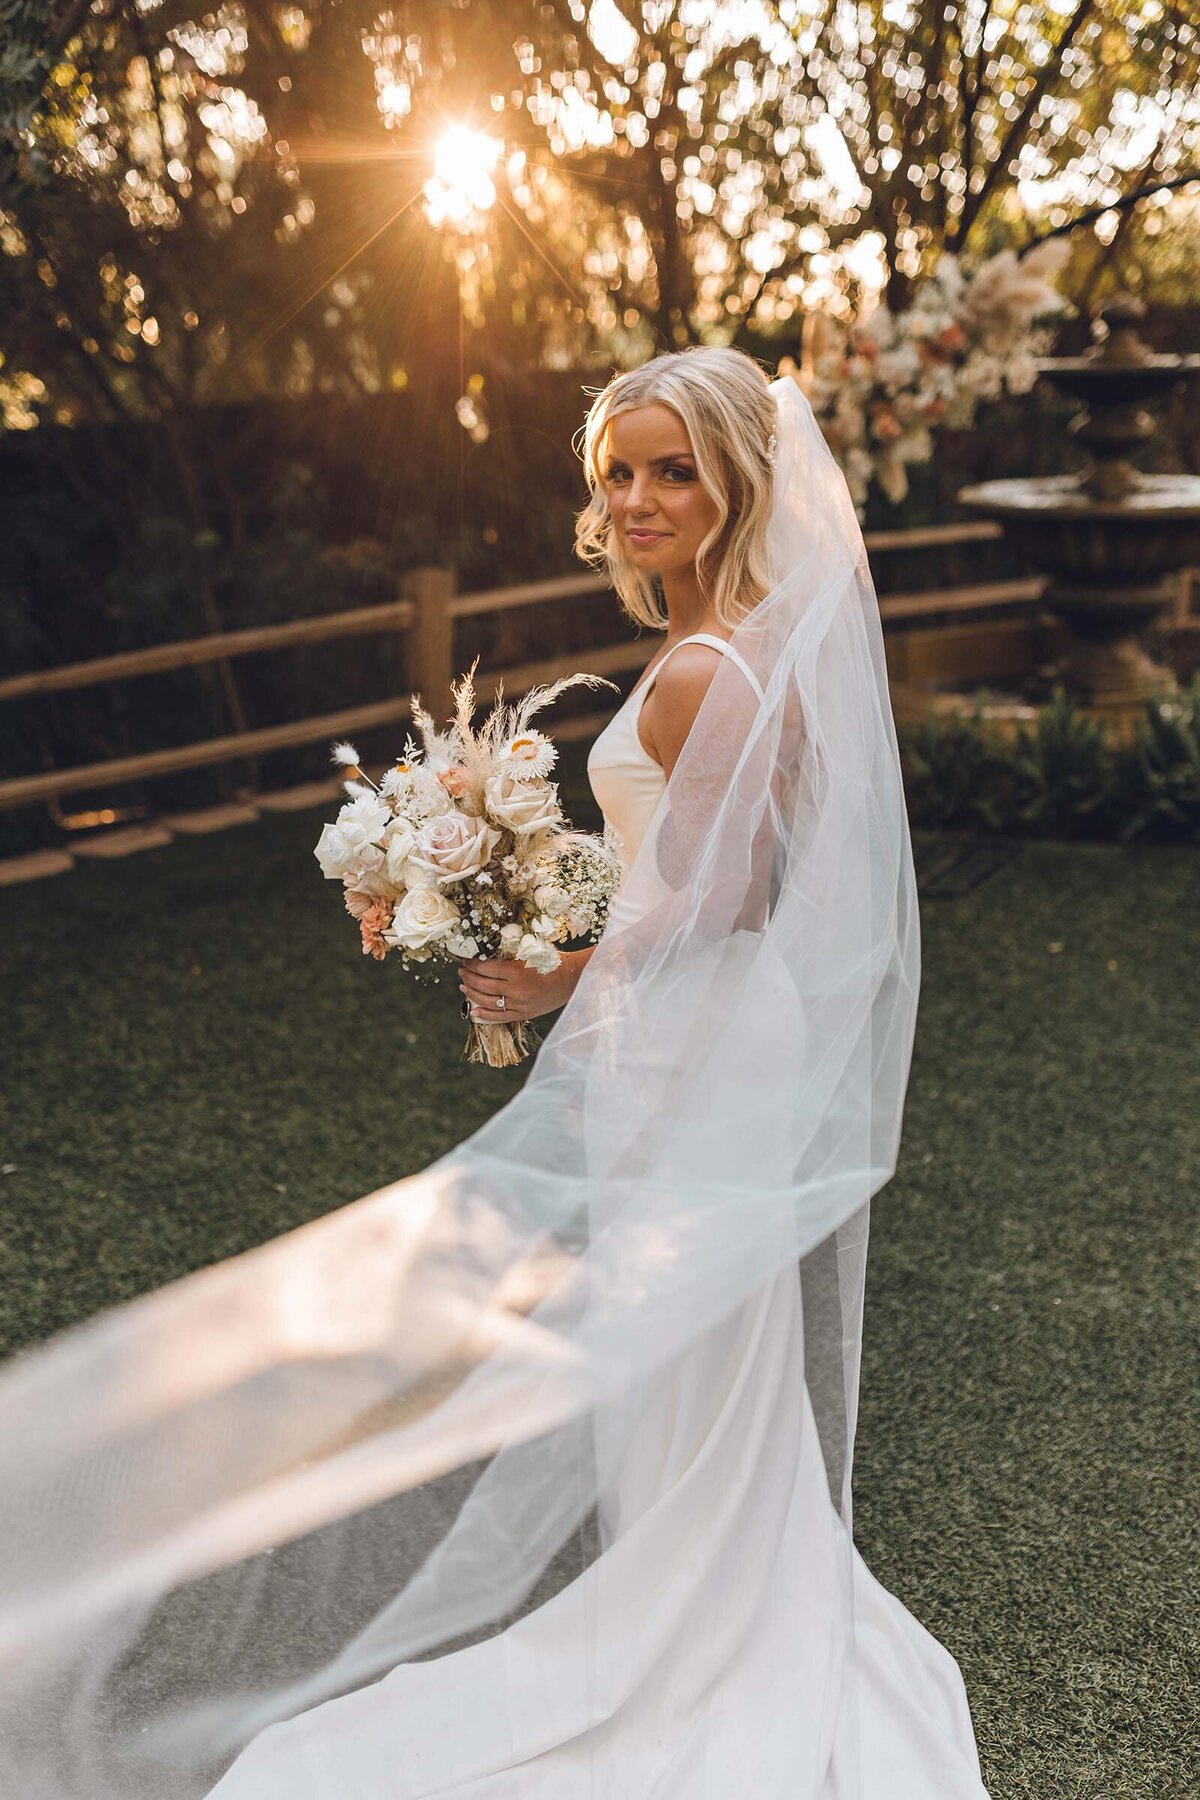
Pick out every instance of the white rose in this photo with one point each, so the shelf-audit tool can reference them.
(352, 845)
(335, 853)
(423, 916)
(453, 846)
(342, 856)
(524, 806)
(401, 843)
(537, 954)
(510, 937)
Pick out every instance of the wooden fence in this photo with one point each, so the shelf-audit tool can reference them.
(427, 611)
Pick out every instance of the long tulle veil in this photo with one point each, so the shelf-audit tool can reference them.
(388, 1434)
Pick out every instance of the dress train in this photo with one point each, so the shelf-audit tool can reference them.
(706, 1654)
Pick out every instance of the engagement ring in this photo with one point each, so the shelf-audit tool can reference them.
(501, 1004)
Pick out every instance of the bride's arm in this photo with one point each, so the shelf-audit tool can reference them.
(686, 829)
(670, 710)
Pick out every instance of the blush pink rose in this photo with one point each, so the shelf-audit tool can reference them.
(453, 846)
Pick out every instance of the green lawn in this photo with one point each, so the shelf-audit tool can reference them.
(198, 1057)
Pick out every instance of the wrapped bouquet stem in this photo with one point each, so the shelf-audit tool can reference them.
(461, 850)
(500, 1046)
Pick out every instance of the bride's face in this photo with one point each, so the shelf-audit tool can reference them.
(660, 511)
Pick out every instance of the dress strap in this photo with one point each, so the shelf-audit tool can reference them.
(726, 649)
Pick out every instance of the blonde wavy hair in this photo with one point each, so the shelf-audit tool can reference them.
(722, 397)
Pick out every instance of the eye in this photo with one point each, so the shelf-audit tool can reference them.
(616, 472)
(678, 472)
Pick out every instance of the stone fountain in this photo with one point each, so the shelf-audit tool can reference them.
(1111, 538)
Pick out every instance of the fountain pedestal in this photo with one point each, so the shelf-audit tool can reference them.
(1110, 539)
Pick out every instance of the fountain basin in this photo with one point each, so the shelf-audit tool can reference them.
(1122, 383)
(1110, 539)
(1131, 544)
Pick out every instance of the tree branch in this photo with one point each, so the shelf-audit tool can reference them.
(1122, 205)
(974, 202)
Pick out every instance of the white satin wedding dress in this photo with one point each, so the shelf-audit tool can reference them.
(704, 1654)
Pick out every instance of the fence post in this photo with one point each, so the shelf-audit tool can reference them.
(432, 667)
(1185, 593)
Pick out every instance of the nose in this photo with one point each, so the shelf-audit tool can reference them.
(640, 498)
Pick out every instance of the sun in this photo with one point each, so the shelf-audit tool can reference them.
(461, 186)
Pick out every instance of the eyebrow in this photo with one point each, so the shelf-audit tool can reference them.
(660, 462)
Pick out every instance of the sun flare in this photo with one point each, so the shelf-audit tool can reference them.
(461, 186)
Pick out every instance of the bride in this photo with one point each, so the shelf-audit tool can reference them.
(529, 1477)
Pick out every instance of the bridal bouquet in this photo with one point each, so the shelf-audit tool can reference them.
(462, 850)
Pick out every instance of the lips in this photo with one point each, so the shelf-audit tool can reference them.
(636, 536)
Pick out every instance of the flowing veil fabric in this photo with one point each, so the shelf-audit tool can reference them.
(529, 1475)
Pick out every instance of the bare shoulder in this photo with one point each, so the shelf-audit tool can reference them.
(686, 673)
(675, 698)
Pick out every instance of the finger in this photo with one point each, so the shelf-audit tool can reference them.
(483, 990)
(473, 983)
(492, 1015)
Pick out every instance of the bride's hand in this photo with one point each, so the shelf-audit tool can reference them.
(525, 993)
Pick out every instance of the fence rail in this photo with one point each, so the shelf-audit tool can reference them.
(395, 615)
(24, 789)
(427, 610)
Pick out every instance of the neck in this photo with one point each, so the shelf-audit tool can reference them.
(687, 608)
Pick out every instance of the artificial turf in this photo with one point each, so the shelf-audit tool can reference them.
(197, 1057)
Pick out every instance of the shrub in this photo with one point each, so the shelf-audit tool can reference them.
(952, 765)
(1158, 779)
(1065, 776)
(1061, 771)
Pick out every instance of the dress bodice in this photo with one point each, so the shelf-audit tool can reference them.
(625, 779)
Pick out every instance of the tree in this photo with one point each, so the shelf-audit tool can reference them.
(964, 119)
(707, 172)
(203, 206)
